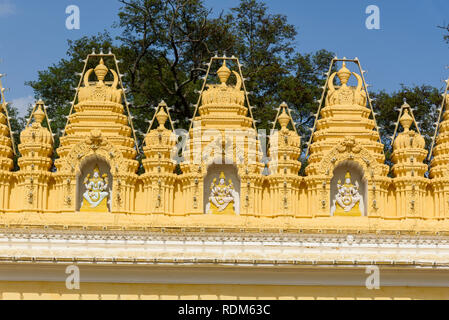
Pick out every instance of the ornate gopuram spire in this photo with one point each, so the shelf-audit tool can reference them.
(345, 117)
(346, 139)
(36, 149)
(223, 137)
(6, 151)
(439, 166)
(409, 168)
(223, 105)
(284, 165)
(159, 179)
(98, 133)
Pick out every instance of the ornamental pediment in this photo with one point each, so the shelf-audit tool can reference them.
(344, 94)
(100, 91)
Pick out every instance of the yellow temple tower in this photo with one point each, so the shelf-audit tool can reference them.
(210, 217)
(98, 129)
(347, 140)
(223, 139)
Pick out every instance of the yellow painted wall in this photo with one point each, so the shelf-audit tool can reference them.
(104, 291)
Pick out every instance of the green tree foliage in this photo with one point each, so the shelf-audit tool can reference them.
(172, 44)
(303, 87)
(17, 123)
(264, 44)
(164, 45)
(446, 35)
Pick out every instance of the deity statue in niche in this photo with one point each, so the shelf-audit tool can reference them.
(348, 200)
(224, 199)
(96, 196)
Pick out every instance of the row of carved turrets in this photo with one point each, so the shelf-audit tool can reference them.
(223, 107)
(99, 105)
(99, 129)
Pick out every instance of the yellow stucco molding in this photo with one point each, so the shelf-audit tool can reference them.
(207, 223)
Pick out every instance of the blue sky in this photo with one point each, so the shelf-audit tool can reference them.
(408, 48)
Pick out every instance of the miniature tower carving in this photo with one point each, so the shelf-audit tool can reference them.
(159, 178)
(439, 171)
(6, 151)
(6, 146)
(409, 168)
(285, 149)
(439, 166)
(36, 149)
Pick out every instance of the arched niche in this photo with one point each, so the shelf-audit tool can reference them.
(214, 172)
(357, 177)
(86, 167)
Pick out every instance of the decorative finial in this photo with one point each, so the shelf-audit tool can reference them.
(101, 71)
(406, 120)
(222, 176)
(284, 118)
(348, 175)
(344, 74)
(162, 116)
(39, 114)
(224, 73)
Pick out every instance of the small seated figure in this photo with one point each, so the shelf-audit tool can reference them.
(223, 200)
(348, 201)
(96, 196)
